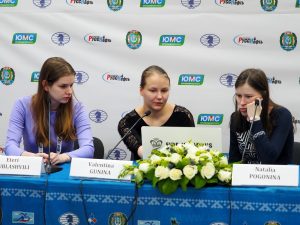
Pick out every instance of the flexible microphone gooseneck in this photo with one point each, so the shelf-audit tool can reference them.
(49, 168)
(251, 124)
(147, 113)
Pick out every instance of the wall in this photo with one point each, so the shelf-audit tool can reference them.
(216, 41)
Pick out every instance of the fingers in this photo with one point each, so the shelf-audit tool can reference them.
(59, 158)
(54, 158)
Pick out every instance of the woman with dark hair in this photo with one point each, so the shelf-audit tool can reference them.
(154, 88)
(272, 136)
(68, 121)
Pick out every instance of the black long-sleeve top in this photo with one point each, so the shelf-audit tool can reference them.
(181, 117)
(276, 148)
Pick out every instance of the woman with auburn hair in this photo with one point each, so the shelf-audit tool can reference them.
(68, 121)
(261, 131)
(155, 89)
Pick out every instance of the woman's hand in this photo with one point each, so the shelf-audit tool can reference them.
(59, 158)
(44, 155)
(251, 110)
(140, 152)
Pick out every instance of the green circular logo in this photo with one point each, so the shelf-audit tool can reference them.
(288, 41)
(7, 75)
(134, 39)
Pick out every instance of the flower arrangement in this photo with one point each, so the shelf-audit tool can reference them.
(183, 165)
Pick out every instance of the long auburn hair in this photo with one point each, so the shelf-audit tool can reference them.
(256, 79)
(52, 69)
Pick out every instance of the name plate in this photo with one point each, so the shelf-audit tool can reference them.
(98, 168)
(21, 165)
(265, 175)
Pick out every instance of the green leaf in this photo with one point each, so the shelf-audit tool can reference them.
(199, 182)
(150, 174)
(183, 183)
(154, 181)
(213, 180)
(167, 186)
(183, 163)
(139, 177)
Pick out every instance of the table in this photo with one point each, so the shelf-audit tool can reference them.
(58, 199)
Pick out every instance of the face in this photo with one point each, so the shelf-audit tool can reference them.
(155, 92)
(244, 95)
(60, 91)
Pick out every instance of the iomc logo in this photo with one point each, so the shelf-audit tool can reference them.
(210, 119)
(24, 38)
(8, 3)
(152, 3)
(191, 79)
(171, 40)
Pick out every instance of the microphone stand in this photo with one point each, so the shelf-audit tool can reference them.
(147, 113)
(49, 168)
(251, 124)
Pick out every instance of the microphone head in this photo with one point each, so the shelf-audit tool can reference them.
(147, 113)
(257, 102)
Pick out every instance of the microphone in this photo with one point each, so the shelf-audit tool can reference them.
(256, 103)
(147, 113)
(49, 168)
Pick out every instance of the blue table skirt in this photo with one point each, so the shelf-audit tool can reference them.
(25, 200)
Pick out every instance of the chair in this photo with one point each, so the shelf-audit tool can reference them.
(296, 153)
(98, 145)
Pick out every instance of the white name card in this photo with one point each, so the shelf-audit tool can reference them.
(98, 168)
(265, 175)
(21, 165)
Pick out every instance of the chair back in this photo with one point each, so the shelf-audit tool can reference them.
(296, 153)
(99, 148)
(98, 145)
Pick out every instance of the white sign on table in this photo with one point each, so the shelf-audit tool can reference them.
(265, 175)
(98, 168)
(21, 165)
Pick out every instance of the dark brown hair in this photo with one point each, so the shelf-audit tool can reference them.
(256, 79)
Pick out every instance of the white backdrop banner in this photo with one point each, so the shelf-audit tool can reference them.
(203, 45)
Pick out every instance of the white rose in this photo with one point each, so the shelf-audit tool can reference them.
(223, 161)
(144, 167)
(175, 158)
(165, 150)
(203, 147)
(155, 159)
(175, 174)
(191, 148)
(208, 171)
(224, 176)
(162, 172)
(193, 157)
(190, 171)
